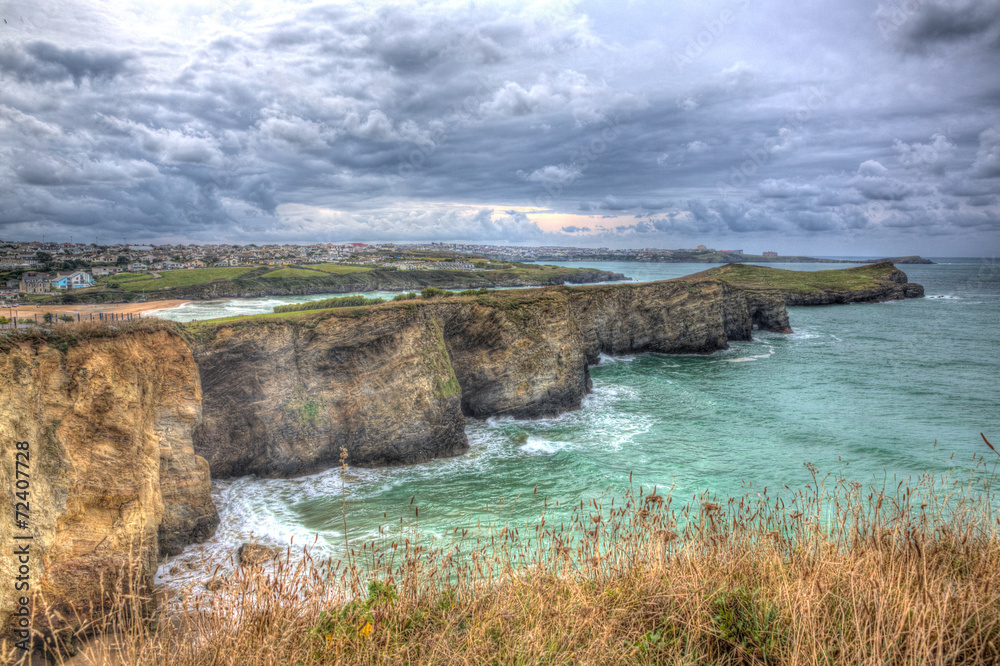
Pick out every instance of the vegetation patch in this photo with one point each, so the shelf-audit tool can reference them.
(341, 269)
(778, 279)
(293, 272)
(328, 303)
(185, 278)
(445, 382)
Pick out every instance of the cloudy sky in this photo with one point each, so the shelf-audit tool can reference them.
(830, 127)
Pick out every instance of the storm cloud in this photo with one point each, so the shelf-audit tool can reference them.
(829, 128)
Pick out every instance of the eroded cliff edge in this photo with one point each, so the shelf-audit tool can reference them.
(393, 383)
(114, 480)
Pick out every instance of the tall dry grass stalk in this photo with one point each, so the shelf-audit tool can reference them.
(833, 573)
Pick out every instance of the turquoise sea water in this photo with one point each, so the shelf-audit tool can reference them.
(871, 385)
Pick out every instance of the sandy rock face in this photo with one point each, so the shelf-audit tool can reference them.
(522, 356)
(113, 476)
(282, 398)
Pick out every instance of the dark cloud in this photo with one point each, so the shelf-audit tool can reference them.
(928, 23)
(41, 61)
(523, 123)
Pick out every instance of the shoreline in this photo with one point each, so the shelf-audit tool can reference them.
(87, 309)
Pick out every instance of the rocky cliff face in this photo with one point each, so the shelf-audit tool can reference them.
(894, 287)
(113, 476)
(283, 395)
(673, 317)
(393, 384)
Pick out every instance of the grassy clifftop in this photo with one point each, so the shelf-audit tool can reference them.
(763, 277)
(869, 283)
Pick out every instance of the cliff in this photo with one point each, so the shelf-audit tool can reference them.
(872, 283)
(114, 481)
(912, 259)
(283, 395)
(393, 383)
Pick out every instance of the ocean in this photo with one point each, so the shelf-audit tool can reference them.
(876, 393)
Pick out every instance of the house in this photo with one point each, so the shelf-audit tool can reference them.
(770, 254)
(34, 283)
(453, 265)
(105, 270)
(72, 280)
(137, 267)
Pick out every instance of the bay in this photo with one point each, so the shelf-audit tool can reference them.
(859, 390)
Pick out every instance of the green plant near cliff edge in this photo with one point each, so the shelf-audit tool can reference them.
(355, 621)
(434, 292)
(746, 626)
(309, 412)
(445, 382)
(339, 302)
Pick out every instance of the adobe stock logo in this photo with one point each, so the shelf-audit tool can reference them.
(714, 29)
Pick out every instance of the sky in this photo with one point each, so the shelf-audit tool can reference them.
(835, 127)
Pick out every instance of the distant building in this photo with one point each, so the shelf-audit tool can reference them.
(453, 265)
(34, 283)
(770, 254)
(702, 248)
(72, 280)
(105, 270)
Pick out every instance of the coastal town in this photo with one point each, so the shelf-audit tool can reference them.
(39, 267)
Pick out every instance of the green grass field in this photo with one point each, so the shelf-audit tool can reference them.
(124, 277)
(762, 277)
(340, 269)
(185, 278)
(293, 273)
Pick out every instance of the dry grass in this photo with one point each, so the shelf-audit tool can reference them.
(63, 335)
(833, 573)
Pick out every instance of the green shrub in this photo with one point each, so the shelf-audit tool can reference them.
(340, 302)
(432, 292)
(747, 626)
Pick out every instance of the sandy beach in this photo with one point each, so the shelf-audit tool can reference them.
(85, 310)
